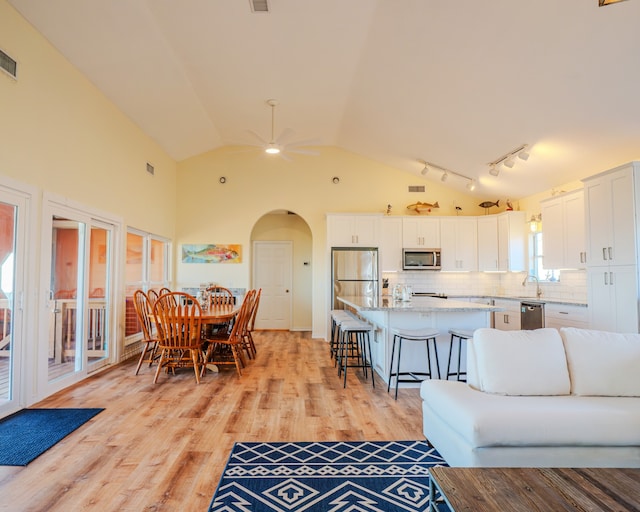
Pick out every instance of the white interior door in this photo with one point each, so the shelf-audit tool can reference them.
(272, 271)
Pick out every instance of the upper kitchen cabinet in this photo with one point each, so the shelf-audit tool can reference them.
(459, 243)
(610, 204)
(353, 230)
(563, 231)
(512, 241)
(488, 243)
(420, 232)
(390, 249)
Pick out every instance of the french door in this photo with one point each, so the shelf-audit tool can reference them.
(13, 235)
(78, 318)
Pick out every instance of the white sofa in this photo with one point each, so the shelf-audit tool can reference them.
(543, 398)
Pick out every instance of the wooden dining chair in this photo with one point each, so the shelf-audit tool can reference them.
(220, 295)
(144, 306)
(247, 333)
(178, 318)
(227, 349)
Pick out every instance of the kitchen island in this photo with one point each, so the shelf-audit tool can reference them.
(420, 312)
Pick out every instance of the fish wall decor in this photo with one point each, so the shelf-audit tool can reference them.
(423, 207)
(489, 204)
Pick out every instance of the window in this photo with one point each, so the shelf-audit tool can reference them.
(536, 267)
(147, 267)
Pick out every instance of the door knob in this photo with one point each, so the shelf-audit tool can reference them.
(286, 291)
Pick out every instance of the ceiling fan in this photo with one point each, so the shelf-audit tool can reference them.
(279, 146)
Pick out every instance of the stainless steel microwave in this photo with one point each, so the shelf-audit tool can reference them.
(421, 259)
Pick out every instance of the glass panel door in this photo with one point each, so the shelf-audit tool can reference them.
(99, 310)
(66, 298)
(7, 279)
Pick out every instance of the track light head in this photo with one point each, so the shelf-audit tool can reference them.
(445, 176)
(509, 162)
(523, 155)
(471, 186)
(494, 171)
(425, 170)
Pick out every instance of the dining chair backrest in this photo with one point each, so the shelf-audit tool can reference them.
(242, 318)
(163, 291)
(254, 310)
(219, 295)
(178, 319)
(152, 295)
(143, 307)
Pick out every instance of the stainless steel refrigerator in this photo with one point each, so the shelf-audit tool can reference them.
(354, 272)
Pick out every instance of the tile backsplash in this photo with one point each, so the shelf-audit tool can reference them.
(571, 286)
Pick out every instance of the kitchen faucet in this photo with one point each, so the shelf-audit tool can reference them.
(538, 290)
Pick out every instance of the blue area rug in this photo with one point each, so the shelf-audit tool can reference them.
(30, 432)
(336, 476)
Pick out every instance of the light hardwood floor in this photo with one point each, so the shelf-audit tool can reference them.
(163, 447)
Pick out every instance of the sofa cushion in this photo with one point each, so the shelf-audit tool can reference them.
(485, 419)
(602, 363)
(521, 362)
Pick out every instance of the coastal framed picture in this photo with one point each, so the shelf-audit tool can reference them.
(211, 253)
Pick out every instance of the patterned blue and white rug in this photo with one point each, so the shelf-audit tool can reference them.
(331, 476)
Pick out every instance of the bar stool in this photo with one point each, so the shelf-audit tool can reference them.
(355, 341)
(337, 317)
(461, 335)
(400, 335)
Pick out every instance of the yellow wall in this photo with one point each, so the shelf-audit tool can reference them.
(62, 135)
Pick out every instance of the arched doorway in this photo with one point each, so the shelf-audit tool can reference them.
(270, 236)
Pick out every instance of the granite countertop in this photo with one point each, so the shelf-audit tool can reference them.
(416, 304)
(542, 300)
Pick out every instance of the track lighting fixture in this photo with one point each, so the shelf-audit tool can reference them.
(509, 160)
(428, 167)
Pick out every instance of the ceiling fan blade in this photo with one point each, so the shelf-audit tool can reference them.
(286, 134)
(300, 143)
(262, 142)
(301, 151)
(284, 156)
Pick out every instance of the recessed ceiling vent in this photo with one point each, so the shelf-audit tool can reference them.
(416, 188)
(259, 5)
(8, 64)
(150, 168)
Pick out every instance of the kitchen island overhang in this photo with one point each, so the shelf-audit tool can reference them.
(421, 312)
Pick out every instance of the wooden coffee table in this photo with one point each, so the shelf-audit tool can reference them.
(532, 489)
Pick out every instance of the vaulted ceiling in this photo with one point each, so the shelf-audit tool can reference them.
(458, 83)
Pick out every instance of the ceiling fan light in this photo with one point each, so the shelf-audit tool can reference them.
(272, 149)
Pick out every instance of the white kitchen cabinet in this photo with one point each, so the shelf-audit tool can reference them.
(488, 243)
(390, 248)
(565, 315)
(613, 298)
(353, 230)
(509, 319)
(610, 203)
(563, 231)
(512, 241)
(611, 212)
(459, 243)
(420, 232)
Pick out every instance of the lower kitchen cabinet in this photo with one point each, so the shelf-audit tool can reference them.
(565, 315)
(509, 319)
(613, 298)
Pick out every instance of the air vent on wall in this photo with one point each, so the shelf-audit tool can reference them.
(150, 168)
(416, 188)
(259, 5)
(8, 64)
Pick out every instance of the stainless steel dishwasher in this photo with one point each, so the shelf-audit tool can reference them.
(531, 315)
